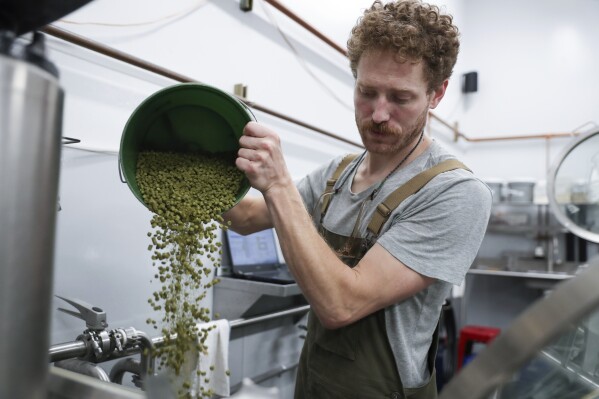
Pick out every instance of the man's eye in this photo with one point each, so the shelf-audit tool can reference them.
(400, 100)
(367, 93)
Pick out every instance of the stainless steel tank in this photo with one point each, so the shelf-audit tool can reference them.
(31, 103)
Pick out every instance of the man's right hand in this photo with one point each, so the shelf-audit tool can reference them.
(260, 157)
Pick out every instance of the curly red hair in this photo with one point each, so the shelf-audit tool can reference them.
(414, 31)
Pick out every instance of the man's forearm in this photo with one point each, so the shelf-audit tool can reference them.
(323, 278)
(248, 216)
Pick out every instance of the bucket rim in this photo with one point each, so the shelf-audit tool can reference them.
(236, 103)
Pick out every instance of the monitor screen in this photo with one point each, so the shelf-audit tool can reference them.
(253, 249)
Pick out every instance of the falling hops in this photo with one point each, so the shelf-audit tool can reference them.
(187, 193)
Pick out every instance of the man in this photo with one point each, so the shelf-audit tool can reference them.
(371, 331)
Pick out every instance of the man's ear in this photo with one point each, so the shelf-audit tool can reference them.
(438, 94)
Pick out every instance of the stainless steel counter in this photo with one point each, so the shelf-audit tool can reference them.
(526, 274)
(236, 298)
(524, 267)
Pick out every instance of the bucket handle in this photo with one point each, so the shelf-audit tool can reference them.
(249, 109)
(121, 176)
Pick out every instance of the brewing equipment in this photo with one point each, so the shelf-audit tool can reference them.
(552, 349)
(31, 103)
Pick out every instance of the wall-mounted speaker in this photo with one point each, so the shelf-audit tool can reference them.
(470, 82)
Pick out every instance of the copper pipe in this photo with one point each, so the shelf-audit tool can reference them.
(148, 66)
(113, 53)
(545, 136)
(453, 128)
(140, 63)
(446, 124)
(306, 25)
(458, 134)
(298, 122)
(313, 30)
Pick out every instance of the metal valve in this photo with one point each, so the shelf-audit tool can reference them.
(102, 344)
(94, 317)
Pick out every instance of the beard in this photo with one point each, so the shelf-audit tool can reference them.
(379, 142)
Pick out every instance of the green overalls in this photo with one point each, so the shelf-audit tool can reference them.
(356, 361)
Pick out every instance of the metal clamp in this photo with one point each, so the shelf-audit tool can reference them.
(98, 343)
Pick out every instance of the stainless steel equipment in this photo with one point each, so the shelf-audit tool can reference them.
(30, 121)
(66, 384)
(30, 129)
(97, 344)
(538, 327)
(552, 349)
(573, 187)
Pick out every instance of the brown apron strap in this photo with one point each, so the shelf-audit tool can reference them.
(331, 182)
(412, 186)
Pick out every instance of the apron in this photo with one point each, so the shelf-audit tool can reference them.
(356, 361)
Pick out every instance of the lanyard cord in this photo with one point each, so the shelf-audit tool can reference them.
(376, 190)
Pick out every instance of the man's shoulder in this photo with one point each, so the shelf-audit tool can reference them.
(440, 154)
(456, 185)
(460, 181)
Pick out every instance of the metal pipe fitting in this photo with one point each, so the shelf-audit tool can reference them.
(83, 367)
(127, 365)
(146, 357)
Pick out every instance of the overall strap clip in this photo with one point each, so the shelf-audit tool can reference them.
(412, 186)
(331, 182)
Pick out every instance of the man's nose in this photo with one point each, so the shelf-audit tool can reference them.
(380, 112)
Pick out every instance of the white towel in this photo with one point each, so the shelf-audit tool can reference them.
(216, 361)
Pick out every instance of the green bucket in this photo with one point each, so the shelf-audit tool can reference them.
(189, 118)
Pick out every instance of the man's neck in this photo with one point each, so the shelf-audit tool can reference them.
(376, 164)
(375, 167)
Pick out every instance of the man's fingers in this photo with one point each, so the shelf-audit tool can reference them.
(250, 129)
(249, 154)
(265, 143)
(242, 163)
(254, 129)
(249, 142)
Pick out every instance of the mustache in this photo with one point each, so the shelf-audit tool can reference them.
(382, 128)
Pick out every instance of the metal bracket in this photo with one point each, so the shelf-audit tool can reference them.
(240, 90)
(70, 140)
(246, 5)
(121, 169)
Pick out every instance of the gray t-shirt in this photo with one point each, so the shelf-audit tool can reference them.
(435, 232)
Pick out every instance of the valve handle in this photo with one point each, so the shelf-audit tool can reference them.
(94, 317)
